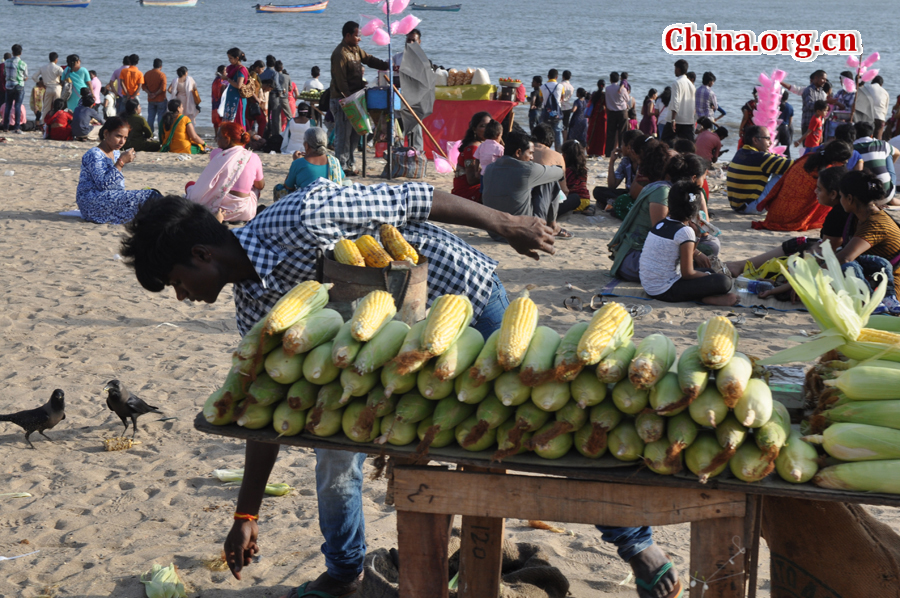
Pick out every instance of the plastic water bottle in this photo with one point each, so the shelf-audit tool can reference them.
(755, 287)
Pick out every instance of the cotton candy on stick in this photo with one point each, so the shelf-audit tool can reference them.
(442, 165)
(381, 37)
(869, 75)
(405, 25)
(371, 26)
(396, 6)
(768, 103)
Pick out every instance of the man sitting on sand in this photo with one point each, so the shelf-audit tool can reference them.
(753, 171)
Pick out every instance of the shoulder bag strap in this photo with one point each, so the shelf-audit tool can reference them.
(165, 146)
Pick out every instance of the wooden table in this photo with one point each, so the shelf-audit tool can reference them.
(724, 513)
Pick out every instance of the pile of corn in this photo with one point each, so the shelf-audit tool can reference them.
(366, 251)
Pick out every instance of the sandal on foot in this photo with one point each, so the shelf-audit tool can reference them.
(302, 592)
(677, 590)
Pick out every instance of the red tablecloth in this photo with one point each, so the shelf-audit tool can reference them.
(450, 119)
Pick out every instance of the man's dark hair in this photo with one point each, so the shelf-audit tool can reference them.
(349, 27)
(864, 129)
(708, 78)
(162, 235)
(692, 76)
(279, 66)
(131, 106)
(53, 56)
(815, 74)
(126, 61)
(722, 132)
(682, 65)
(877, 79)
(157, 63)
(515, 141)
(16, 50)
(552, 74)
(845, 132)
(820, 105)
(613, 77)
(684, 146)
(630, 135)
(315, 72)
(543, 134)
(567, 75)
(847, 74)
(750, 133)
(135, 59)
(270, 61)
(537, 79)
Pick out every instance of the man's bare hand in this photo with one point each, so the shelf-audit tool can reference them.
(528, 235)
(241, 546)
(701, 261)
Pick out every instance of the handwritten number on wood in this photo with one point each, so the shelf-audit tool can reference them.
(420, 492)
(478, 551)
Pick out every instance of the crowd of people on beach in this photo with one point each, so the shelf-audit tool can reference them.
(513, 184)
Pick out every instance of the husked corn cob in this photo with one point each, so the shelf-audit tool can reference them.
(397, 246)
(371, 314)
(655, 355)
(373, 253)
(566, 364)
(346, 252)
(718, 341)
(304, 299)
(610, 328)
(518, 326)
(447, 319)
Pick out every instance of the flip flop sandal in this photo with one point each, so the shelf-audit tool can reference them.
(594, 304)
(574, 303)
(302, 592)
(760, 311)
(564, 234)
(738, 319)
(677, 591)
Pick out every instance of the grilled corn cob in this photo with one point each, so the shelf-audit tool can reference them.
(374, 254)
(396, 245)
(346, 252)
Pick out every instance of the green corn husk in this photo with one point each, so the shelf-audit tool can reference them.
(309, 333)
(329, 423)
(328, 399)
(468, 391)
(350, 423)
(554, 448)
(302, 395)
(583, 445)
(754, 408)
(486, 367)
(249, 348)
(503, 442)
(284, 368)
(666, 397)
(448, 414)
(551, 396)
(570, 418)
(527, 418)
(356, 385)
(731, 433)
(537, 366)
(429, 384)
(396, 383)
(614, 367)
(650, 426)
(703, 457)
(397, 432)
(265, 391)
(378, 405)
(566, 364)
(344, 348)
(628, 399)
(657, 460)
(410, 359)
(288, 421)
(221, 405)
(871, 476)
(653, 359)
(749, 464)
(249, 369)
(884, 322)
(882, 413)
(490, 414)
(254, 416)
(681, 432)
(441, 439)
(601, 419)
(868, 383)
(318, 366)
(587, 390)
(732, 379)
(510, 390)
(236, 476)
(798, 461)
(709, 409)
(483, 443)
(163, 582)
(383, 347)
(858, 442)
(413, 407)
(460, 356)
(774, 433)
(692, 374)
(624, 442)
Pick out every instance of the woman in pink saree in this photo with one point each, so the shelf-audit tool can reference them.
(229, 186)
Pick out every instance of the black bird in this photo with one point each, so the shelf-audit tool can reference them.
(43, 418)
(126, 405)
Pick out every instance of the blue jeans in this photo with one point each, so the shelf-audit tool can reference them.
(866, 266)
(155, 113)
(14, 99)
(557, 132)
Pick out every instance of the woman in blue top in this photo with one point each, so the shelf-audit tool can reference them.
(315, 163)
(79, 76)
(101, 194)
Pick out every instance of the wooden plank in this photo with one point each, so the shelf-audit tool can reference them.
(422, 489)
(752, 530)
(716, 560)
(480, 555)
(422, 546)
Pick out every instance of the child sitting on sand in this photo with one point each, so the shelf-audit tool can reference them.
(671, 244)
(576, 172)
(491, 149)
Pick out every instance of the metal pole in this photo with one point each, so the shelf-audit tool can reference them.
(390, 140)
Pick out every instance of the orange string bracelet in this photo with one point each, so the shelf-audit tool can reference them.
(245, 516)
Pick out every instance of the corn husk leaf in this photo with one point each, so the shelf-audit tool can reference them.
(233, 477)
(163, 582)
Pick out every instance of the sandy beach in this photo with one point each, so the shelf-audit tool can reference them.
(74, 317)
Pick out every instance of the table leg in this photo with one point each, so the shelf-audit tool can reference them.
(422, 546)
(713, 543)
(480, 557)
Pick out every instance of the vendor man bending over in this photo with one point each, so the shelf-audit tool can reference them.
(174, 242)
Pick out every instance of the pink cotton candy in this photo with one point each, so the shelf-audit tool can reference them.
(778, 75)
(869, 75)
(848, 84)
(759, 120)
(442, 165)
(397, 6)
(381, 37)
(872, 59)
(370, 27)
(764, 80)
(778, 149)
(405, 25)
(852, 62)
(453, 151)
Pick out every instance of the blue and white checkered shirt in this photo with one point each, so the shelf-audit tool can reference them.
(281, 242)
(706, 102)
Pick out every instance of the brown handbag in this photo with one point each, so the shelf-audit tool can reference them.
(196, 95)
(250, 88)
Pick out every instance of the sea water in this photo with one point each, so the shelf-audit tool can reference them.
(510, 38)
